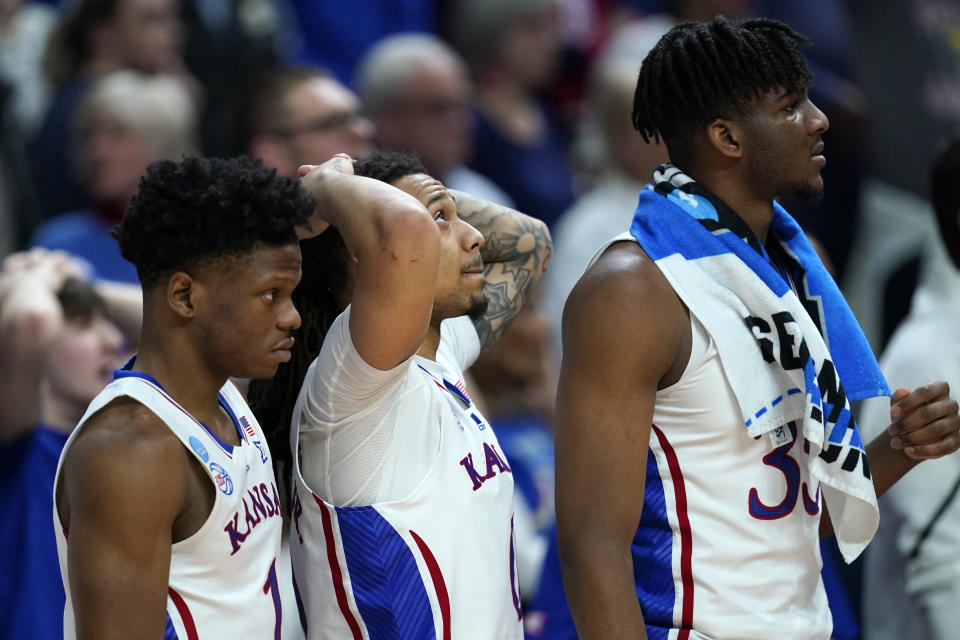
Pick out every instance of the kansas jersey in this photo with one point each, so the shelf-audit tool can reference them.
(436, 560)
(728, 540)
(223, 578)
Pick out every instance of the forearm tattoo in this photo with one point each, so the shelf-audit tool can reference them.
(516, 253)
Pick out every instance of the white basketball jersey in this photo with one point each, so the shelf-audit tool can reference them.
(223, 578)
(439, 563)
(728, 540)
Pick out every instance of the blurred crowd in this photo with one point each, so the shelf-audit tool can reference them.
(521, 102)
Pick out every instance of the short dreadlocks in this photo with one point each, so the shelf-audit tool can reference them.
(700, 71)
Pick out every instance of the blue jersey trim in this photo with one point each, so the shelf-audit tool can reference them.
(387, 585)
(169, 633)
(653, 554)
(127, 372)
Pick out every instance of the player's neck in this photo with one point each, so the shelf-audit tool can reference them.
(754, 209)
(428, 349)
(182, 373)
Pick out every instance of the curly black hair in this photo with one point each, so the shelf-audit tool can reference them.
(202, 209)
(388, 166)
(323, 293)
(700, 71)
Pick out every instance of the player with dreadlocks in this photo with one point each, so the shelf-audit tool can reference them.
(391, 453)
(704, 437)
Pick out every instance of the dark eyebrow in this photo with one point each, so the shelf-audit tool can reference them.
(440, 196)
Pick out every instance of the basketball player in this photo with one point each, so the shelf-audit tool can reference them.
(403, 500)
(167, 516)
(705, 440)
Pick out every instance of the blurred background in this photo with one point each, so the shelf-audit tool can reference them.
(523, 102)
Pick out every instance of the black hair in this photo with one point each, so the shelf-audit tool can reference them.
(322, 294)
(188, 213)
(388, 166)
(700, 71)
(80, 302)
(945, 195)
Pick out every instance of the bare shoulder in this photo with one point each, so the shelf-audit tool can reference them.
(126, 426)
(123, 454)
(623, 304)
(624, 285)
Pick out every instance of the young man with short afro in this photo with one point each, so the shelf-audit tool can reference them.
(167, 516)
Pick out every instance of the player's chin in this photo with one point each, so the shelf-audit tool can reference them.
(478, 305)
(811, 191)
(264, 370)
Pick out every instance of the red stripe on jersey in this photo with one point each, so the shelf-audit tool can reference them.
(338, 588)
(185, 616)
(443, 599)
(686, 538)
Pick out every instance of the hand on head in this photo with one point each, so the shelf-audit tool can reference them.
(340, 162)
(924, 422)
(310, 175)
(52, 268)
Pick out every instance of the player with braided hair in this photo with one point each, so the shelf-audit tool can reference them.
(717, 69)
(704, 437)
(390, 453)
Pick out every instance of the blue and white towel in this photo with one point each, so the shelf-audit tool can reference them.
(784, 348)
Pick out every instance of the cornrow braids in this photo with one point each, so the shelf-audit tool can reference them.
(700, 71)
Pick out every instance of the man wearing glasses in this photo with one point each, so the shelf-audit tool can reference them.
(301, 115)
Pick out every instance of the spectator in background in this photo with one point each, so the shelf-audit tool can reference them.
(418, 93)
(226, 43)
(57, 351)
(912, 576)
(624, 164)
(24, 30)
(24, 93)
(126, 122)
(94, 38)
(513, 49)
(294, 115)
(906, 118)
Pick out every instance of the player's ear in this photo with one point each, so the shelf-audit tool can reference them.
(725, 136)
(181, 291)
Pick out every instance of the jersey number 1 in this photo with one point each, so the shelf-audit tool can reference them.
(272, 587)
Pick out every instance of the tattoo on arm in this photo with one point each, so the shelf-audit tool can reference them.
(516, 253)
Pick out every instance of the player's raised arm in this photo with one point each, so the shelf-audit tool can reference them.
(623, 336)
(395, 244)
(516, 253)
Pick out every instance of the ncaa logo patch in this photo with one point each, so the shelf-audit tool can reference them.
(222, 478)
(198, 447)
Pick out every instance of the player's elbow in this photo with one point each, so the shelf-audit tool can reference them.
(409, 234)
